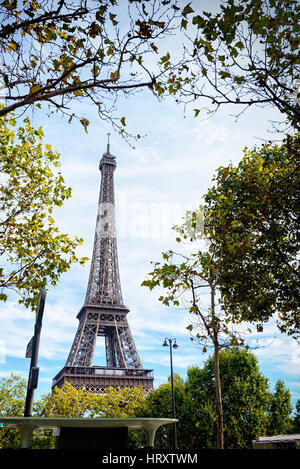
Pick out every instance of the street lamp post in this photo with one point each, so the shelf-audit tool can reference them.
(32, 352)
(167, 343)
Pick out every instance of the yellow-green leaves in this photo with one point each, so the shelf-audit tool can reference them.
(165, 60)
(85, 123)
(112, 19)
(159, 88)
(115, 75)
(223, 74)
(116, 403)
(63, 53)
(187, 10)
(247, 52)
(13, 45)
(34, 88)
(31, 189)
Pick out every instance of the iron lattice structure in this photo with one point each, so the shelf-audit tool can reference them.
(103, 313)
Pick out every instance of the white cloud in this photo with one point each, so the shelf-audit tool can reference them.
(281, 354)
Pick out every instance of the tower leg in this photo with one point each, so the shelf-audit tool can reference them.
(82, 350)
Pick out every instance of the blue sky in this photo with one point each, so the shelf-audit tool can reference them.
(167, 173)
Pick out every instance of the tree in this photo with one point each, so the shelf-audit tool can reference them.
(12, 396)
(280, 410)
(12, 404)
(245, 397)
(61, 52)
(296, 419)
(67, 402)
(115, 403)
(159, 404)
(72, 402)
(249, 406)
(252, 216)
(12, 401)
(183, 278)
(33, 251)
(245, 54)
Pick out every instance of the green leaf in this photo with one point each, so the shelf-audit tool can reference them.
(197, 20)
(187, 10)
(239, 79)
(160, 90)
(240, 45)
(34, 88)
(32, 187)
(78, 93)
(115, 75)
(184, 23)
(154, 47)
(112, 19)
(165, 58)
(224, 74)
(159, 24)
(85, 123)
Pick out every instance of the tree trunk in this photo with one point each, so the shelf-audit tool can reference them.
(219, 408)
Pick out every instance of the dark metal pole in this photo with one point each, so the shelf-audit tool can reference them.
(173, 398)
(33, 369)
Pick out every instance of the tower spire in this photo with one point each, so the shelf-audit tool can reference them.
(108, 144)
(104, 284)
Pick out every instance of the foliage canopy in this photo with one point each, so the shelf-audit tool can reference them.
(33, 251)
(245, 54)
(252, 214)
(60, 52)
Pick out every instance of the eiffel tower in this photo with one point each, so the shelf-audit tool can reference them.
(103, 313)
